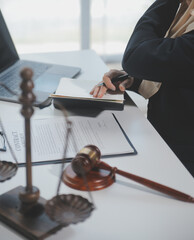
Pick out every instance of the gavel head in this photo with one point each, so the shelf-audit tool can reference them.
(86, 159)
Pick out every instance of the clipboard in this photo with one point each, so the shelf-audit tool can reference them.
(98, 128)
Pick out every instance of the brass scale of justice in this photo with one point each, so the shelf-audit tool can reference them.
(24, 210)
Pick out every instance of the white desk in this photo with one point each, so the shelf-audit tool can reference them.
(125, 210)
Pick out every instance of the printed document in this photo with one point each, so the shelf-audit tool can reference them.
(48, 137)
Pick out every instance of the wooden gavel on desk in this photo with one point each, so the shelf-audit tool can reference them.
(89, 158)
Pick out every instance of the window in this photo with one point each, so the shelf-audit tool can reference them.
(43, 25)
(112, 23)
(62, 25)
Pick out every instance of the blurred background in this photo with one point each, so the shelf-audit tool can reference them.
(62, 25)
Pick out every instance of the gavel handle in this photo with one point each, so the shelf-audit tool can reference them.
(148, 183)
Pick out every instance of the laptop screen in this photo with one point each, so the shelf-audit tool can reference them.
(8, 53)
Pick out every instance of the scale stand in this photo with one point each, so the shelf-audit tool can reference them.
(22, 208)
(35, 224)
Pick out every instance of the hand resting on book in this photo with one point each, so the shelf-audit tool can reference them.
(100, 89)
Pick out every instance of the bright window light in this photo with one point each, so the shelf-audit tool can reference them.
(57, 25)
(112, 23)
(43, 25)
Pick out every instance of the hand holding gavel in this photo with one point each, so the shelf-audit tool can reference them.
(89, 158)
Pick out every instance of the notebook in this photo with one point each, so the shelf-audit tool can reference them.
(74, 93)
(46, 76)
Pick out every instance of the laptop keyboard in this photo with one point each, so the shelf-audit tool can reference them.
(11, 77)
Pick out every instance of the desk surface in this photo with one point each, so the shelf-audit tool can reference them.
(125, 210)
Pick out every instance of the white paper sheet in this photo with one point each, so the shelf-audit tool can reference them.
(48, 137)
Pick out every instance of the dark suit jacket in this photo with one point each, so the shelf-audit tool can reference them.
(150, 56)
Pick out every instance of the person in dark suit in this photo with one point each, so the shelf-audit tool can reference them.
(159, 59)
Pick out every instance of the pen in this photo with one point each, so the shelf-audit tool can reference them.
(116, 79)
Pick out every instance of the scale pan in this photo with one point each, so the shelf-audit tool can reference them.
(7, 170)
(68, 208)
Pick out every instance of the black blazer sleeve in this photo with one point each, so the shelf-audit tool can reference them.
(150, 56)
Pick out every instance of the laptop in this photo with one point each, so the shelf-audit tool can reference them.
(46, 76)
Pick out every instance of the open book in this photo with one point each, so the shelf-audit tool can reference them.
(75, 93)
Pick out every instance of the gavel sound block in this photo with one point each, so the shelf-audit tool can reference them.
(82, 173)
(87, 172)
